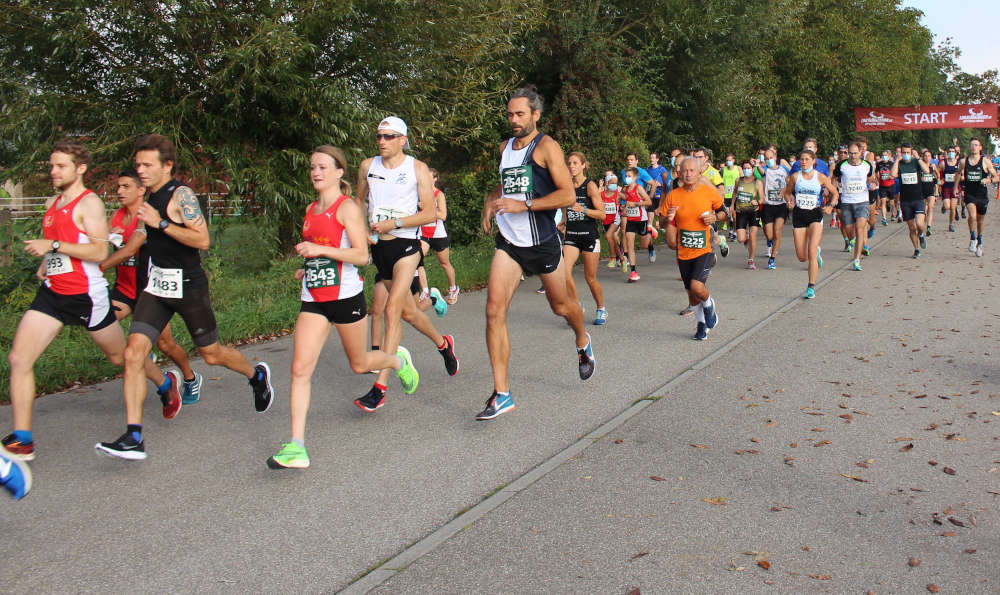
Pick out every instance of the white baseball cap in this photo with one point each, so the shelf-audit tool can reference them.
(396, 125)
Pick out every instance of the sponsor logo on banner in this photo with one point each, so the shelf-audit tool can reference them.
(876, 119)
(974, 117)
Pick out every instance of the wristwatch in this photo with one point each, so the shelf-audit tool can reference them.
(55, 245)
(398, 222)
(527, 203)
(163, 224)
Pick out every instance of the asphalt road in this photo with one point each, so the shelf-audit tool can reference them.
(204, 513)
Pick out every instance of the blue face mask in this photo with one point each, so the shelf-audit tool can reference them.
(906, 158)
(729, 162)
(612, 186)
(628, 180)
(761, 158)
(770, 162)
(747, 172)
(673, 161)
(806, 170)
(951, 154)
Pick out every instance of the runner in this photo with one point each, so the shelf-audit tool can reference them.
(582, 236)
(534, 182)
(947, 172)
(975, 172)
(691, 210)
(15, 475)
(611, 195)
(838, 217)
(400, 198)
(886, 185)
(929, 186)
(775, 211)
(854, 177)
(175, 232)
(730, 175)
(804, 192)
(662, 176)
(74, 292)
(130, 273)
(435, 237)
(334, 243)
(748, 194)
(636, 201)
(715, 179)
(911, 197)
(810, 144)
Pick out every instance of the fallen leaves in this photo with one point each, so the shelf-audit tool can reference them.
(913, 562)
(932, 587)
(949, 471)
(698, 445)
(639, 555)
(717, 501)
(657, 478)
(906, 447)
(764, 564)
(823, 443)
(854, 477)
(821, 577)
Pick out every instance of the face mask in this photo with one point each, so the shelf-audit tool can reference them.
(747, 172)
(673, 161)
(628, 180)
(761, 157)
(729, 162)
(951, 154)
(806, 170)
(906, 158)
(885, 158)
(770, 163)
(612, 187)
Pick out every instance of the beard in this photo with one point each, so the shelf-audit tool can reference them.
(525, 131)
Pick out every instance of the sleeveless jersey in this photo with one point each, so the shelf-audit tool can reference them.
(64, 274)
(949, 172)
(578, 223)
(909, 180)
(775, 180)
(521, 177)
(392, 193)
(610, 206)
(808, 192)
(885, 179)
(730, 176)
(125, 277)
(634, 211)
(326, 279)
(928, 181)
(974, 174)
(436, 229)
(854, 182)
(744, 194)
(164, 251)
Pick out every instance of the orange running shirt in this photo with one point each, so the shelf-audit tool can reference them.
(693, 236)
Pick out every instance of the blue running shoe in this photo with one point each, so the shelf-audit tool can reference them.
(770, 264)
(711, 317)
(192, 390)
(440, 306)
(866, 251)
(871, 232)
(819, 256)
(15, 476)
(810, 293)
(496, 405)
(587, 361)
(602, 316)
(702, 333)
(857, 264)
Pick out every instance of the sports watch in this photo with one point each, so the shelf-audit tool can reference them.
(55, 245)
(398, 222)
(527, 203)
(163, 224)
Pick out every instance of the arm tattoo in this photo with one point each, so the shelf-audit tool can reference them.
(190, 209)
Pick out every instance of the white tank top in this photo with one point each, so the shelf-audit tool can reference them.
(517, 176)
(774, 182)
(392, 193)
(854, 182)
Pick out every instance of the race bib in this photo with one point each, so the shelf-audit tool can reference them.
(166, 283)
(885, 175)
(806, 201)
(949, 177)
(854, 187)
(386, 213)
(519, 179)
(908, 178)
(632, 210)
(610, 208)
(57, 263)
(774, 196)
(693, 239)
(926, 177)
(744, 198)
(572, 215)
(729, 189)
(321, 272)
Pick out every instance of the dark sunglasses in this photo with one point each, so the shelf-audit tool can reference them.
(387, 136)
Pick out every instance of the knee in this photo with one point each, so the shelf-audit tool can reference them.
(165, 345)
(117, 359)
(495, 313)
(18, 363)
(211, 354)
(303, 369)
(134, 355)
(358, 367)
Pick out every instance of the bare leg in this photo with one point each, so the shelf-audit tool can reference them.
(33, 335)
(504, 277)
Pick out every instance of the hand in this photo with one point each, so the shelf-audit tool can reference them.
(37, 247)
(299, 274)
(487, 223)
(149, 215)
(708, 218)
(828, 209)
(384, 226)
(577, 207)
(509, 205)
(671, 214)
(308, 249)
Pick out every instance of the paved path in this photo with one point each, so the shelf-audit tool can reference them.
(204, 513)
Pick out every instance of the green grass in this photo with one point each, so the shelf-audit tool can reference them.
(253, 298)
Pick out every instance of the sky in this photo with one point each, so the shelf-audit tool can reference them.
(977, 36)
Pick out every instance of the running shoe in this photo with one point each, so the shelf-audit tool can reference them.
(810, 293)
(884, 222)
(602, 316)
(192, 390)
(770, 264)
(496, 405)
(923, 242)
(770, 245)
(172, 398)
(612, 263)
(963, 213)
(24, 451)
(633, 276)
(916, 254)
(819, 256)
(540, 290)
(451, 362)
(652, 255)
(857, 264)
(701, 333)
(371, 401)
(979, 250)
(291, 456)
(587, 361)
(263, 392)
(951, 227)
(653, 232)
(732, 236)
(408, 375)
(124, 448)
(711, 317)
(866, 251)
(972, 245)
(871, 232)
(686, 311)
(751, 265)
(928, 231)
(452, 295)
(440, 306)
(15, 476)
(625, 265)
(723, 246)
(847, 245)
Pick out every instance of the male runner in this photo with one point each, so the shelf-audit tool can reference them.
(662, 176)
(975, 172)
(947, 172)
(775, 211)
(854, 176)
(175, 232)
(715, 179)
(400, 193)
(690, 211)
(730, 173)
(886, 184)
(74, 292)
(928, 186)
(534, 180)
(810, 144)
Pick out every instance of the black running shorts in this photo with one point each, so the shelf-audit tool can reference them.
(542, 259)
(152, 313)
(343, 311)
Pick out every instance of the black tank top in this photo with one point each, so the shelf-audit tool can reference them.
(909, 181)
(578, 223)
(166, 252)
(974, 175)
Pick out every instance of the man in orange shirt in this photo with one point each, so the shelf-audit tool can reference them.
(690, 210)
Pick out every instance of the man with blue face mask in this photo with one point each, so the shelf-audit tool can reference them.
(947, 172)
(911, 197)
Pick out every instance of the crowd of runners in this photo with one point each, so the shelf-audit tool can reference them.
(547, 212)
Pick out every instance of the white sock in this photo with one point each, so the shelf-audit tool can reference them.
(709, 303)
(699, 312)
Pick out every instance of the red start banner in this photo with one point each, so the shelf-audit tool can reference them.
(874, 119)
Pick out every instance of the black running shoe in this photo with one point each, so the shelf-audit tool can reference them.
(263, 392)
(124, 448)
(372, 401)
(586, 359)
(448, 353)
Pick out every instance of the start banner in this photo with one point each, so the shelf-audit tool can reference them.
(874, 119)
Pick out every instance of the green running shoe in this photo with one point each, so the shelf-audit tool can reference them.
(291, 456)
(408, 375)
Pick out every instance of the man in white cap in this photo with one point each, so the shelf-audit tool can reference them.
(400, 196)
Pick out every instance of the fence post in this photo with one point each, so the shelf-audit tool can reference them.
(6, 237)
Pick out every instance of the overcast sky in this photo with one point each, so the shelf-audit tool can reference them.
(973, 25)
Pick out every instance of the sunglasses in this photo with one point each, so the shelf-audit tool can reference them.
(387, 136)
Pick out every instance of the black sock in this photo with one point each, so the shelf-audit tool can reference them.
(375, 347)
(191, 379)
(811, 285)
(135, 430)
